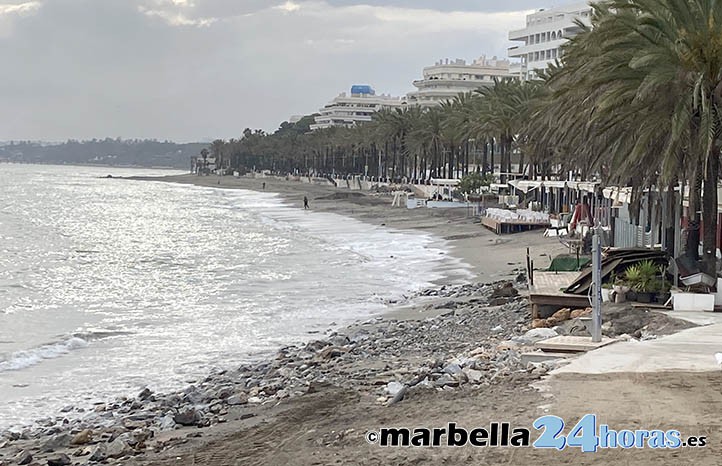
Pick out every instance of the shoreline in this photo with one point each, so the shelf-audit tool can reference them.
(491, 258)
(451, 353)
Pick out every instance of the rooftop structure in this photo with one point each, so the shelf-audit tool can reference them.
(448, 78)
(545, 32)
(351, 109)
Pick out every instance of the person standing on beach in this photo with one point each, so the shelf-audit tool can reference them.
(305, 203)
(264, 185)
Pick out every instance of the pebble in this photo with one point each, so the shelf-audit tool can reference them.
(449, 351)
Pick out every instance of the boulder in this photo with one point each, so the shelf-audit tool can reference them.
(535, 335)
(145, 394)
(99, 454)
(506, 290)
(237, 399)
(224, 393)
(187, 417)
(393, 388)
(331, 352)
(581, 313)
(562, 314)
(24, 457)
(82, 437)
(539, 323)
(117, 449)
(473, 375)
(452, 369)
(58, 441)
(61, 460)
(167, 423)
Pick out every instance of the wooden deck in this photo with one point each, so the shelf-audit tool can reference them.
(510, 226)
(547, 291)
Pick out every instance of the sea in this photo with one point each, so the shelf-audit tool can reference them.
(111, 285)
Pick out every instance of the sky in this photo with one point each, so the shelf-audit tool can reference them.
(191, 70)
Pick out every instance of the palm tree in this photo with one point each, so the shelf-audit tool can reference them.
(639, 98)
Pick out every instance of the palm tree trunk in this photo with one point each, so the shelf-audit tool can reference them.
(484, 158)
(709, 212)
(693, 218)
(492, 156)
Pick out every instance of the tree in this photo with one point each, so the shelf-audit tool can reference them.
(638, 99)
(473, 182)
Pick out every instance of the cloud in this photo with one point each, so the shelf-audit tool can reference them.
(176, 19)
(190, 69)
(288, 7)
(20, 8)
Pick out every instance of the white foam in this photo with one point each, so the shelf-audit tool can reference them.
(23, 359)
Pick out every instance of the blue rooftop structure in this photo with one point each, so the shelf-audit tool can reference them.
(362, 89)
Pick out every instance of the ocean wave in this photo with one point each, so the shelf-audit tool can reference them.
(23, 359)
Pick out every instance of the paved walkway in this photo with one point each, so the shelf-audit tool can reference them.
(690, 350)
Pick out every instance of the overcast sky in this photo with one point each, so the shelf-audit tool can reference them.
(197, 69)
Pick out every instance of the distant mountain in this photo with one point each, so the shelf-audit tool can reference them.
(137, 152)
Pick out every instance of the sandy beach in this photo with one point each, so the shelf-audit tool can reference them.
(452, 351)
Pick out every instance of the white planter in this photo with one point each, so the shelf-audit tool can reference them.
(692, 302)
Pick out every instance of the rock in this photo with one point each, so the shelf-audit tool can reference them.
(561, 315)
(224, 393)
(99, 454)
(145, 394)
(167, 423)
(506, 290)
(393, 388)
(187, 417)
(539, 323)
(331, 352)
(581, 313)
(497, 329)
(575, 327)
(339, 340)
(24, 457)
(82, 437)
(473, 375)
(237, 400)
(452, 369)
(117, 449)
(399, 396)
(535, 335)
(61, 460)
(446, 380)
(58, 441)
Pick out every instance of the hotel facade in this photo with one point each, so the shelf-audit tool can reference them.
(541, 40)
(358, 106)
(447, 79)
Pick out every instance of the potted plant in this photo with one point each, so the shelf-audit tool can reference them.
(641, 278)
(632, 278)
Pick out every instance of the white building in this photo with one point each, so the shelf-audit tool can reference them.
(357, 107)
(545, 32)
(449, 78)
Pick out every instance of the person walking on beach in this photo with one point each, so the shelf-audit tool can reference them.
(305, 203)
